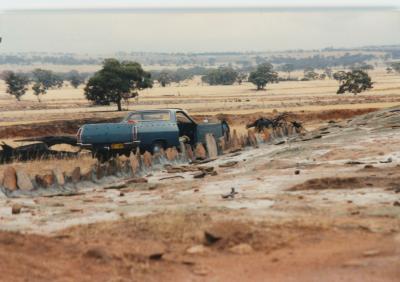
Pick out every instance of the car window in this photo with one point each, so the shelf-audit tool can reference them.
(149, 116)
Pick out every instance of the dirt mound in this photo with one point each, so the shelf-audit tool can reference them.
(301, 116)
(129, 250)
(71, 126)
(390, 181)
(151, 246)
(57, 127)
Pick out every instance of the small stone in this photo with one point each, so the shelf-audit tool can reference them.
(200, 152)
(297, 172)
(112, 167)
(156, 256)
(371, 253)
(137, 180)
(10, 179)
(189, 152)
(16, 209)
(171, 154)
(45, 180)
(354, 263)
(211, 237)
(147, 159)
(266, 135)
(59, 175)
(23, 181)
(197, 249)
(135, 164)
(242, 249)
(396, 204)
(211, 145)
(97, 253)
(199, 174)
(100, 170)
(200, 270)
(252, 138)
(229, 164)
(76, 175)
(222, 144)
(235, 141)
(86, 174)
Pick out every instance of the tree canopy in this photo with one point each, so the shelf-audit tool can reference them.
(17, 84)
(220, 76)
(45, 80)
(355, 81)
(288, 68)
(311, 75)
(116, 80)
(165, 77)
(75, 78)
(263, 75)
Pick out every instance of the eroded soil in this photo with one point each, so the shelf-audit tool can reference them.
(325, 209)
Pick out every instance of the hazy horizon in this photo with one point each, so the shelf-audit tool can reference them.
(98, 31)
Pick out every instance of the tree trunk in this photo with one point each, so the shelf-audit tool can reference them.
(119, 105)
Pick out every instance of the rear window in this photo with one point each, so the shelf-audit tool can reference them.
(149, 116)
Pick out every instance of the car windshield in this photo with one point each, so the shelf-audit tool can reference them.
(148, 116)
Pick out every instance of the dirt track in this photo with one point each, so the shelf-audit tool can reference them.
(107, 253)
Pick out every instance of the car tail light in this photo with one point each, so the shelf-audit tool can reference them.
(134, 133)
(79, 135)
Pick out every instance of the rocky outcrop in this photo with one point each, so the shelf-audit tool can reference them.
(45, 180)
(23, 181)
(133, 167)
(10, 179)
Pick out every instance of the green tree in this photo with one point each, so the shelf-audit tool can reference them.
(263, 75)
(45, 80)
(339, 75)
(311, 75)
(164, 78)
(17, 84)
(241, 77)
(220, 76)
(75, 78)
(362, 66)
(355, 81)
(288, 68)
(116, 80)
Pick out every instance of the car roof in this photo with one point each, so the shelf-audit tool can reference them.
(158, 110)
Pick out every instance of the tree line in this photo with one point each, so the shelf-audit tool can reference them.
(121, 80)
(40, 80)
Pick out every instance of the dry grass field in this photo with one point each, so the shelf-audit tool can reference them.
(198, 98)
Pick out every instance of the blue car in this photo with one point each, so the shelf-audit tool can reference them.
(148, 130)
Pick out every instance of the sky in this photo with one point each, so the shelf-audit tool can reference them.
(51, 4)
(108, 31)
